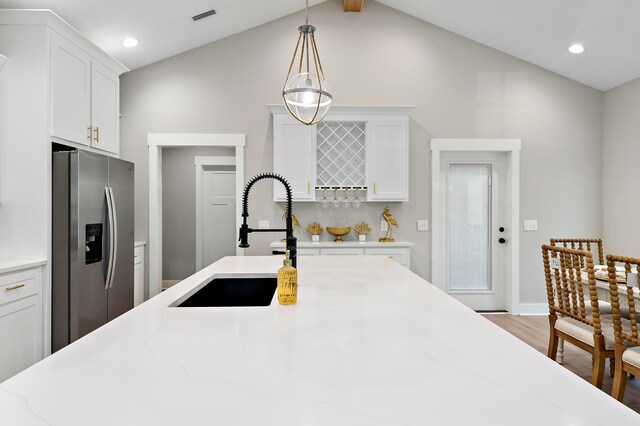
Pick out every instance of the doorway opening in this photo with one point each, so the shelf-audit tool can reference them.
(475, 214)
(157, 143)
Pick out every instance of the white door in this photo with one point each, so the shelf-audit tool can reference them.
(218, 215)
(476, 234)
(70, 91)
(105, 98)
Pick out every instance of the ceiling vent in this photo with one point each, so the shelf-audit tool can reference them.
(203, 15)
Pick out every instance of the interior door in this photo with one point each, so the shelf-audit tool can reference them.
(476, 236)
(218, 215)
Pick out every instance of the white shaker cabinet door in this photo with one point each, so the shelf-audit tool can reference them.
(105, 92)
(21, 326)
(294, 157)
(388, 159)
(70, 91)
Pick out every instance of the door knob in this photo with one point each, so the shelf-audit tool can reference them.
(502, 240)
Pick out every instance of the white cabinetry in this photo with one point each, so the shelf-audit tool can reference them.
(388, 159)
(364, 148)
(400, 251)
(294, 157)
(84, 97)
(138, 274)
(21, 326)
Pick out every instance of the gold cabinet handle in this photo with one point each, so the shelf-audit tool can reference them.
(374, 188)
(308, 187)
(97, 131)
(14, 287)
(90, 130)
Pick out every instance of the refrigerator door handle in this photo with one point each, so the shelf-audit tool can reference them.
(115, 235)
(111, 225)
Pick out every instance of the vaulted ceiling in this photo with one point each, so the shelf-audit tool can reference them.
(537, 31)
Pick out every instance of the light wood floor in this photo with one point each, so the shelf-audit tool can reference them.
(534, 330)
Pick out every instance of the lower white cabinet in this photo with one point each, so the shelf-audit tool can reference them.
(400, 251)
(21, 327)
(138, 274)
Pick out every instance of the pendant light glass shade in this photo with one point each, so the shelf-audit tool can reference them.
(305, 91)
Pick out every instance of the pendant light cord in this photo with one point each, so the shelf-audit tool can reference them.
(306, 39)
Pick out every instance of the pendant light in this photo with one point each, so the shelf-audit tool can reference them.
(305, 92)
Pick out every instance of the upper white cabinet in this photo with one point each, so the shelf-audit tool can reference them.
(84, 97)
(294, 157)
(353, 148)
(388, 159)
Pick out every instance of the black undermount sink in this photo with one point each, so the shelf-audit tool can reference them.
(233, 291)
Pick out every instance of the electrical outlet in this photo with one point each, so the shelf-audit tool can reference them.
(555, 263)
(384, 226)
(263, 224)
(423, 225)
(530, 225)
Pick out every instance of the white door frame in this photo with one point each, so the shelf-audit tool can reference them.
(158, 141)
(200, 164)
(512, 148)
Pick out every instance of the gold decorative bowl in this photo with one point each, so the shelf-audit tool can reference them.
(338, 232)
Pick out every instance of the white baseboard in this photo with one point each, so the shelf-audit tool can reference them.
(533, 309)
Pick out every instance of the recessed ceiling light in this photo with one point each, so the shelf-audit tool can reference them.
(576, 48)
(130, 42)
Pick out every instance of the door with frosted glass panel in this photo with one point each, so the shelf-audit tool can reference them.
(475, 211)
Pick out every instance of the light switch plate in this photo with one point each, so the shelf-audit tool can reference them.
(555, 263)
(384, 226)
(423, 225)
(263, 224)
(530, 225)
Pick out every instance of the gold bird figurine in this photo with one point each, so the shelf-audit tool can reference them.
(294, 222)
(391, 221)
(294, 219)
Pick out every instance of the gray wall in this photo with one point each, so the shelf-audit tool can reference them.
(621, 174)
(179, 209)
(461, 89)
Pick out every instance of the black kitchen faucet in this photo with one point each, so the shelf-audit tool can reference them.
(245, 230)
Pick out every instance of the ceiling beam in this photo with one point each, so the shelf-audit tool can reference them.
(353, 5)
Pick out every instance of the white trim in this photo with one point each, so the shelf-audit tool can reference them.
(158, 141)
(3, 60)
(214, 161)
(533, 309)
(499, 145)
(200, 163)
(512, 147)
(353, 109)
(196, 139)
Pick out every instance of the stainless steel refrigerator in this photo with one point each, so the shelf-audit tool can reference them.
(92, 243)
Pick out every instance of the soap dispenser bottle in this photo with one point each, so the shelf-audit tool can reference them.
(287, 282)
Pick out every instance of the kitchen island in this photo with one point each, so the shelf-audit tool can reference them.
(369, 343)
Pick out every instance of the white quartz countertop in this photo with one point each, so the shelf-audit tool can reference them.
(17, 265)
(369, 343)
(350, 244)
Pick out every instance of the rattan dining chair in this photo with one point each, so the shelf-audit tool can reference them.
(570, 318)
(627, 349)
